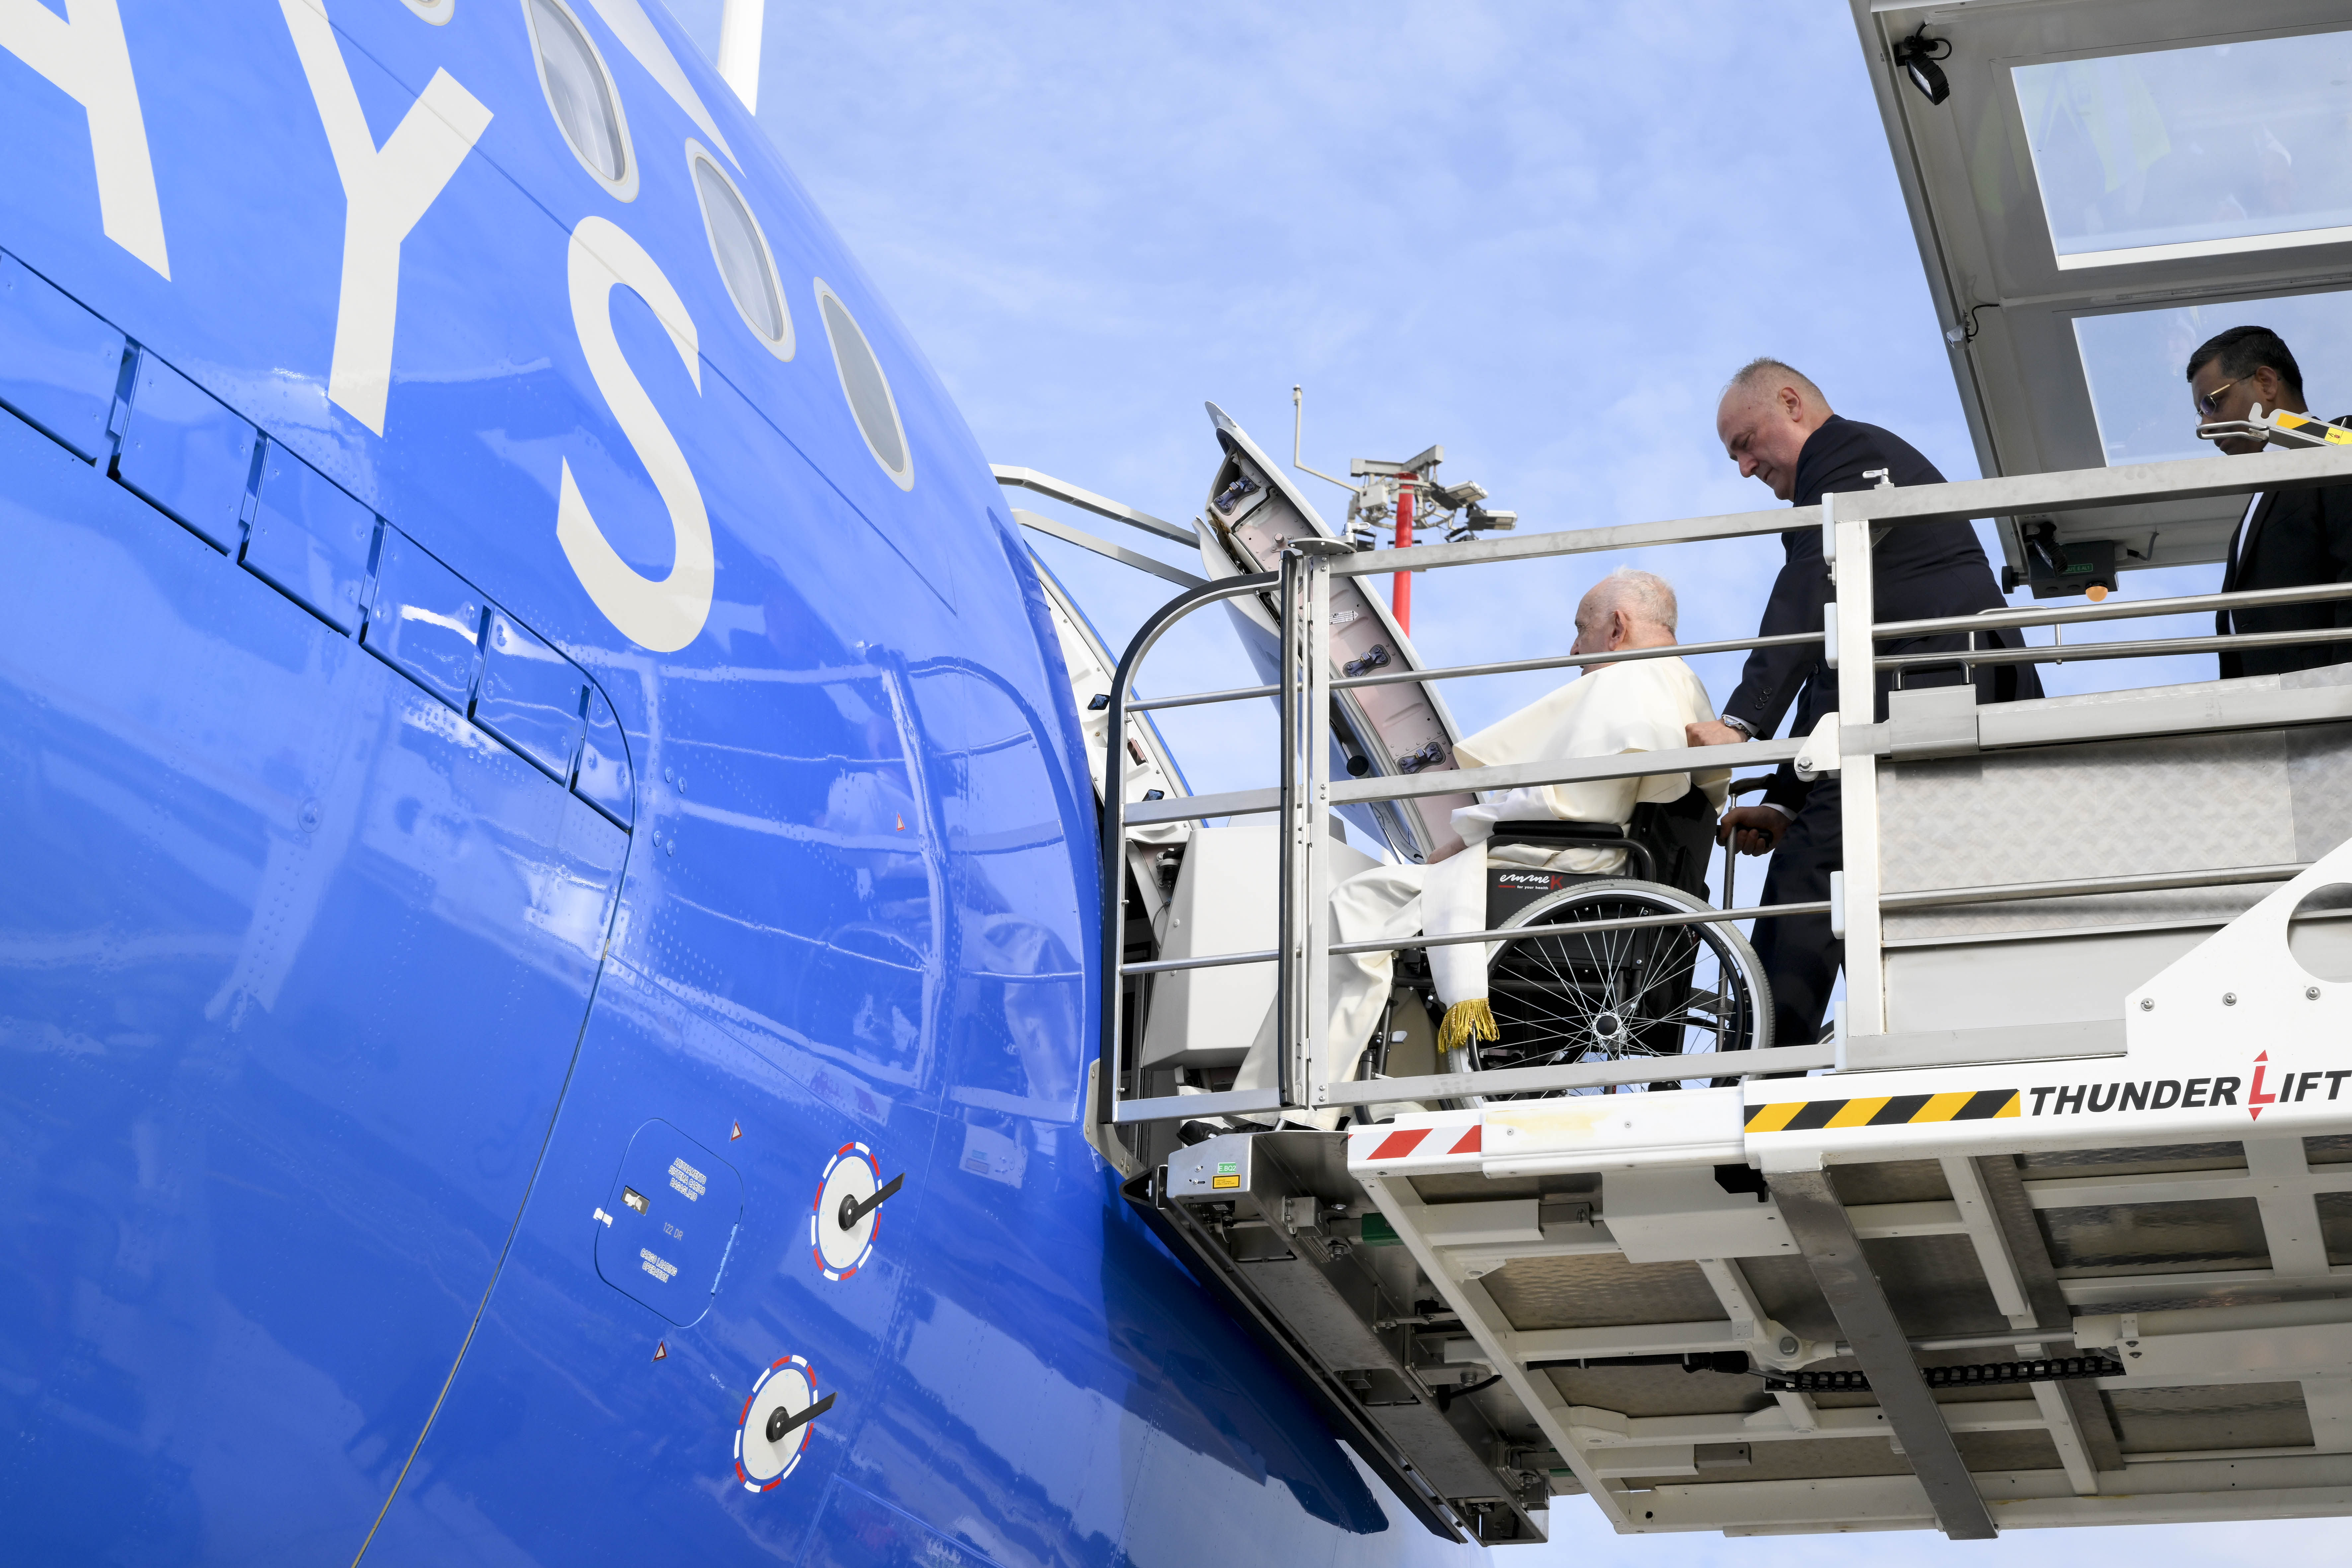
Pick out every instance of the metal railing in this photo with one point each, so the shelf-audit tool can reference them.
(1306, 795)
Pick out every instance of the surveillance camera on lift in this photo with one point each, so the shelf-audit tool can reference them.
(1478, 520)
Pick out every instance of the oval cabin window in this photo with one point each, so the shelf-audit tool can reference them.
(745, 264)
(870, 402)
(580, 93)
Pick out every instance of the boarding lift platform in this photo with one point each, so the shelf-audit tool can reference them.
(2056, 1230)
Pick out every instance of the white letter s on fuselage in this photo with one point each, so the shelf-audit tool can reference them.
(665, 614)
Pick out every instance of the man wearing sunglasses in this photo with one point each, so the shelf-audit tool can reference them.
(1776, 426)
(2287, 539)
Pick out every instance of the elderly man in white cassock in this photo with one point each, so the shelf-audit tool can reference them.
(1640, 705)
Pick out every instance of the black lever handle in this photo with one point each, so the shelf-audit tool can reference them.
(852, 1211)
(779, 1422)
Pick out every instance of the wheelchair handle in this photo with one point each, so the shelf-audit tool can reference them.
(1731, 850)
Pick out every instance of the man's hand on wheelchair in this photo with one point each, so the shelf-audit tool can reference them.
(1752, 829)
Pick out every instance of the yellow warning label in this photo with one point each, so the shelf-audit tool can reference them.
(1221, 1182)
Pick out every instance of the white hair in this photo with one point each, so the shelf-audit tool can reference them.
(1643, 596)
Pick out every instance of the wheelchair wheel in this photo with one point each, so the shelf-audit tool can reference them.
(1660, 991)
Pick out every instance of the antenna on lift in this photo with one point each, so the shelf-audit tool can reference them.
(740, 26)
(1297, 434)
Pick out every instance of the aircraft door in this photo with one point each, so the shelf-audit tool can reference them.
(1014, 1193)
(767, 1019)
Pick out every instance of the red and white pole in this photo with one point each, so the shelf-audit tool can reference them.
(1400, 585)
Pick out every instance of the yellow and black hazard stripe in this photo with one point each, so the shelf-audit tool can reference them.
(2303, 425)
(1883, 1110)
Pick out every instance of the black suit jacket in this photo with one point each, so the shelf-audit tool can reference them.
(1918, 570)
(2293, 539)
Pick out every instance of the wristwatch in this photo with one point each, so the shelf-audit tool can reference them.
(1742, 725)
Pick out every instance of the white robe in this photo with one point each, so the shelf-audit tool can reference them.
(1638, 706)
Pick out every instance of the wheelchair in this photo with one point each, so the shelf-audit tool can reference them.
(1572, 995)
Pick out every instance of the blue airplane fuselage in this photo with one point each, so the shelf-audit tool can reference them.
(525, 779)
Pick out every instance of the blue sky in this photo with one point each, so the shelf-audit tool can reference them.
(1505, 230)
(1542, 235)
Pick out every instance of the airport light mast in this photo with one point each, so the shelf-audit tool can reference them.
(1400, 585)
(1394, 493)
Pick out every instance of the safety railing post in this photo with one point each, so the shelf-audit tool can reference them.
(1857, 678)
(1316, 940)
(1290, 1001)
(1318, 934)
(1303, 986)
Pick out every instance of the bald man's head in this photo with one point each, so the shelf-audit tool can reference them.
(1767, 413)
(1628, 608)
(1765, 377)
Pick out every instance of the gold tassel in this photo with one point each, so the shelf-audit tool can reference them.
(1465, 1022)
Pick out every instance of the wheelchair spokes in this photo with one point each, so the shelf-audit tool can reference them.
(1613, 994)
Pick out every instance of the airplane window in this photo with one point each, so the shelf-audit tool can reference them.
(2137, 363)
(2197, 152)
(870, 402)
(580, 91)
(436, 12)
(741, 251)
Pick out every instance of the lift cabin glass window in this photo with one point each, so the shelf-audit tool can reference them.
(2136, 362)
(2196, 151)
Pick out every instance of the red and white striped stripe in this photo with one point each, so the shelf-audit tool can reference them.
(1440, 1140)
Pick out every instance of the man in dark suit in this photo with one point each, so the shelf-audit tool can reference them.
(1779, 429)
(2287, 539)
